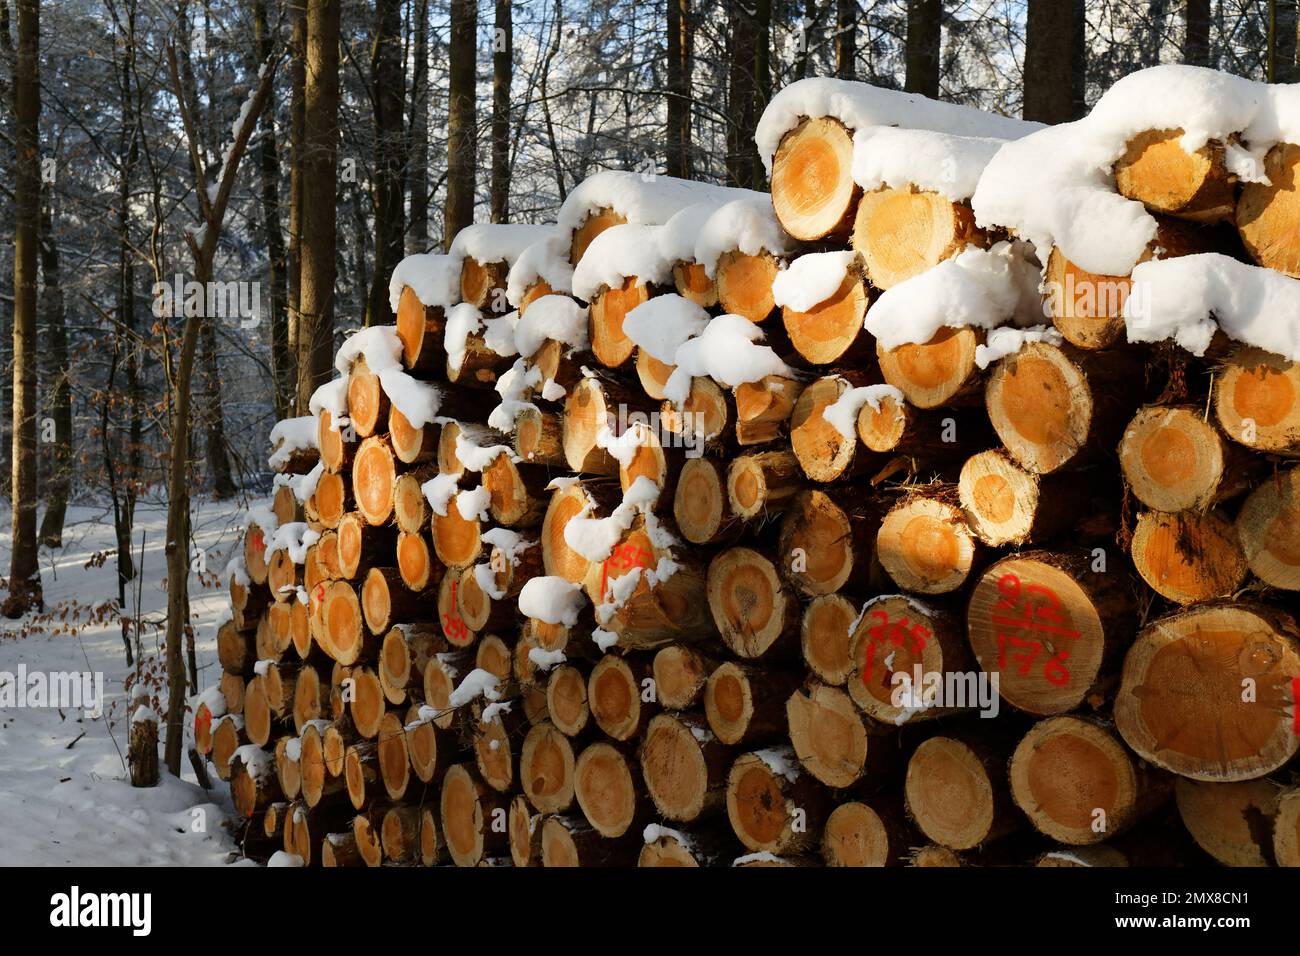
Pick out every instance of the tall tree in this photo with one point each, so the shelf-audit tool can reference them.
(1054, 61)
(24, 571)
(297, 131)
(417, 239)
(846, 39)
(59, 485)
(749, 87)
(268, 161)
(388, 82)
(317, 217)
(503, 67)
(203, 247)
(1282, 26)
(462, 140)
(1196, 36)
(679, 88)
(924, 29)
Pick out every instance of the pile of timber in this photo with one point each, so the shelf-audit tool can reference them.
(498, 635)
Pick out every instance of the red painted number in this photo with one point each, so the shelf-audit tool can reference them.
(1023, 614)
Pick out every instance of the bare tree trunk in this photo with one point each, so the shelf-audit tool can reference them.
(319, 179)
(297, 121)
(1196, 39)
(461, 136)
(924, 22)
(679, 88)
(749, 87)
(503, 55)
(1054, 61)
(390, 154)
(60, 472)
(282, 360)
(24, 571)
(1282, 25)
(417, 239)
(846, 39)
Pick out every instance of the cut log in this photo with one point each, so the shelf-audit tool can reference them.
(492, 746)
(866, 834)
(827, 542)
(701, 506)
(557, 363)
(590, 410)
(333, 499)
(362, 545)
(440, 676)
(1054, 407)
(1004, 504)
(253, 786)
(592, 226)
(361, 776)
(1189, 556)
(1174, 460)
(1233, 822)
(399, 834)
(259, 722)
(956, 791)
(830, 738)
(924, 543)
(566, 699)
(899, 639)
(479, 280)
(615, 691)
(823, 452)
(609, 307)
(684, 766)
(316, 783)
(760, 484)
(386, 601)
(744, 284)
(940, 372)
(518, 492)
(374, 470)
(902, 231)
(514, 567)
(232, 689)
(525, 833)
(652, 374)
(1267, 212)
(652, 460)
(1048, 624)
(680, 674)
(310, 698)
(773, 806)
(394, 759)
(1268, 526)
(546, 768)
(227, 736)
(763, 408)
(813, 192)
(1286, 828)
(753, 609)
(935, 856)
(416, 564)
(334, 744)
(1257, 401)
(606, 790)
(671, 609)
(745, 705)
(235, 649)
(341, 634)
(539, 438)
(338, 443)
(1209, 692)
(412, 445)
(421, 329)
(473, 817)
(285, 505)
(1077, 783)
(693, 282)
(704, 422)
(367, 705)
(824, 637)
(1156, 171)
(832, 331)
(571, 842)
(255, 543)
(366, 830)
(456, 539)
(367, 404)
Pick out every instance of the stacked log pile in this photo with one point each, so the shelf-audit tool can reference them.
(626, 543)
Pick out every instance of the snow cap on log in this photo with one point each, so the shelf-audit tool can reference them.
(944, 163)
(644, 199)
(434, 278)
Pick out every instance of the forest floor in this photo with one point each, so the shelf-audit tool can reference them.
(65, 797)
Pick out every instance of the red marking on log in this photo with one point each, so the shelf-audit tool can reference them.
(1045, 618)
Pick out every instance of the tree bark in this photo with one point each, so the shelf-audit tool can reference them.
(319, 175)
(297, 148)
(1196, 39)
(502, 69)
(24, 572)
(60, 464)
(846, 39)
(1282, 41)
(749, 87)
(417, 238)
(1054, 61)
(461, 135)
(679, 88)
(389, 84)
(924, 22)
(282, 360)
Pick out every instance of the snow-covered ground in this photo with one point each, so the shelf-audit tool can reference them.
(65, 797)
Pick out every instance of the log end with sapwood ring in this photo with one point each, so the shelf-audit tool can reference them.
(1189, 556)
(857, 834)
(374, 470)
(700, 504)
(824, 637)
(478, 280)
(524, 829)
(394, 758)
(465, 812)
(952, 794)
(566, 700)
(1041, 406)
(666, 850)
(924, 543)
(1209, 692)
(1232, 822)
(1002, 502)
(367, 705)
(1087, 308)
(684, 773)
(1286, 829)
(415, 562)
(752, 607)
(813, 192)
(609, 343)
(939, 372)
(1268, 526)
(1075, 781)
(902, 231)
(679, 675)
(744, 284)
(591, 227)
(420, 329)
(828, 735)
(832, 330)
(333, 499)
(1158, 172)
(1172, 458)
(1267, 212)
(821, 546)
(546, 768)
(1257, 401)
(456, 538)
(823, 452)
(761, 483)
(614, 692)
(412, 445)
(766, 803)
(693, 283)
(367, 404)
(605, 790)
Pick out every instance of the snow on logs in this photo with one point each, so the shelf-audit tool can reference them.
(937, 508)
